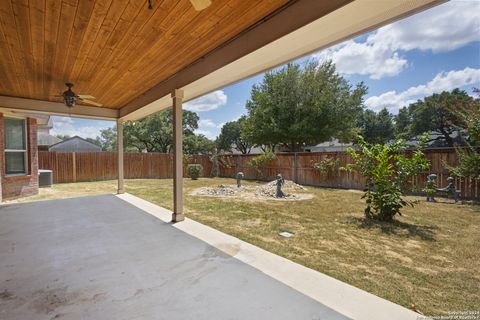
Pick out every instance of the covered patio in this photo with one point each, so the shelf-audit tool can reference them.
(138, 59)
(119, 257)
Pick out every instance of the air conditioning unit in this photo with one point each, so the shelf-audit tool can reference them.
(45, 178)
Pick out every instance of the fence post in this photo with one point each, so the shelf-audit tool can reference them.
(56, 171)
(74, 167)
(295, 170)
(237, 165)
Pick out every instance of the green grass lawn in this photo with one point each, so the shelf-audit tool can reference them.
(428, 260)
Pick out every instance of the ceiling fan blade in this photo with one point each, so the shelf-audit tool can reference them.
(91, 102)
(199, 5)
(86, 96)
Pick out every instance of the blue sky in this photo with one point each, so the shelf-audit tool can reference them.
(430, 52)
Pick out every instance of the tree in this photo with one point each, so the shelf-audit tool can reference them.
(197, 144)
(155, 132)
(295, 106)
(386, 168)
(469, 157)
(402, 122)
(436, 113)
(231, 134)
(63, 137)
(376, 127)
(108, 139)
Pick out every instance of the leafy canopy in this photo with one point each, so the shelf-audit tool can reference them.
(469, 157)
(294, 106)
(155, 133)
(435, 113)
(231, 134)
(376, 127)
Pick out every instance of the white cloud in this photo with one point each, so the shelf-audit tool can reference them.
(444, 81)
(207, 133)
(78, 127)
(373, 59)
(207, 102)
(206, 123)
(208, 128)
(441, 29)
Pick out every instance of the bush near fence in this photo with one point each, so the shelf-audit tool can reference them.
(93, 166)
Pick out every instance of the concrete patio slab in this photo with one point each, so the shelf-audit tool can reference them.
(337, 295)
(101, 257)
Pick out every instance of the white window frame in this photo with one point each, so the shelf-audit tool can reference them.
(25, 151)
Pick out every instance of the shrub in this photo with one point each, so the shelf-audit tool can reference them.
(194, 171)
(469, 157)
(387, 169)
(187, 159)
(469, 166)
(259, 162)
(220, 159)
(324, 166)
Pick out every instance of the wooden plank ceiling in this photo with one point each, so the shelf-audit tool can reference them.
(112, 49)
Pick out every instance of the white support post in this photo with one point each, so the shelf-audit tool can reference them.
(121, 187)
(178, 215)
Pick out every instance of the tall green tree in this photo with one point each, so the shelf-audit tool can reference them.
(197, 144)
(295, 106)
(63, 137)
(155, 133)
(402, 122)
(436, 113)
(108, 139)
(469, 157)
(376, 127)
(231, 135)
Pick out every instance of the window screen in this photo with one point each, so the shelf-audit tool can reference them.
(15, 146)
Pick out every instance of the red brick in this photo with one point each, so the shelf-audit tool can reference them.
(25, 185)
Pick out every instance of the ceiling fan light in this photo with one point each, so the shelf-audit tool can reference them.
(69, 101)
(200, 5)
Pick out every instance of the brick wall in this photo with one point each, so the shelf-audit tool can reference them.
(22, 185)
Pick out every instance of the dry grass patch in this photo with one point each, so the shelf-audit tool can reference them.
(429, 257)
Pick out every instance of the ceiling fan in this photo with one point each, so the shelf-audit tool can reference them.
(198, 5)
(70, 97)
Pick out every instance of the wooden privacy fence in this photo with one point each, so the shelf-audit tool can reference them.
(299, 168)
(92, 166)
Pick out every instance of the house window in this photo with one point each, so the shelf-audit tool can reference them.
(15, 146)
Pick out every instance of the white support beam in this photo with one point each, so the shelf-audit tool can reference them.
(121, 186)
(178, 215)
(14, 104)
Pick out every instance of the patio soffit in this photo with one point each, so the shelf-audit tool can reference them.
(131, 58)
(115, 50)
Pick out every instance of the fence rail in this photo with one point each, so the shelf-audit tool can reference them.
(92, 166)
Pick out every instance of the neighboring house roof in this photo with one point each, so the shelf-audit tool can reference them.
(328, 146)
(75, 144)
(45, 139)
(437, 140)
(254, 150)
